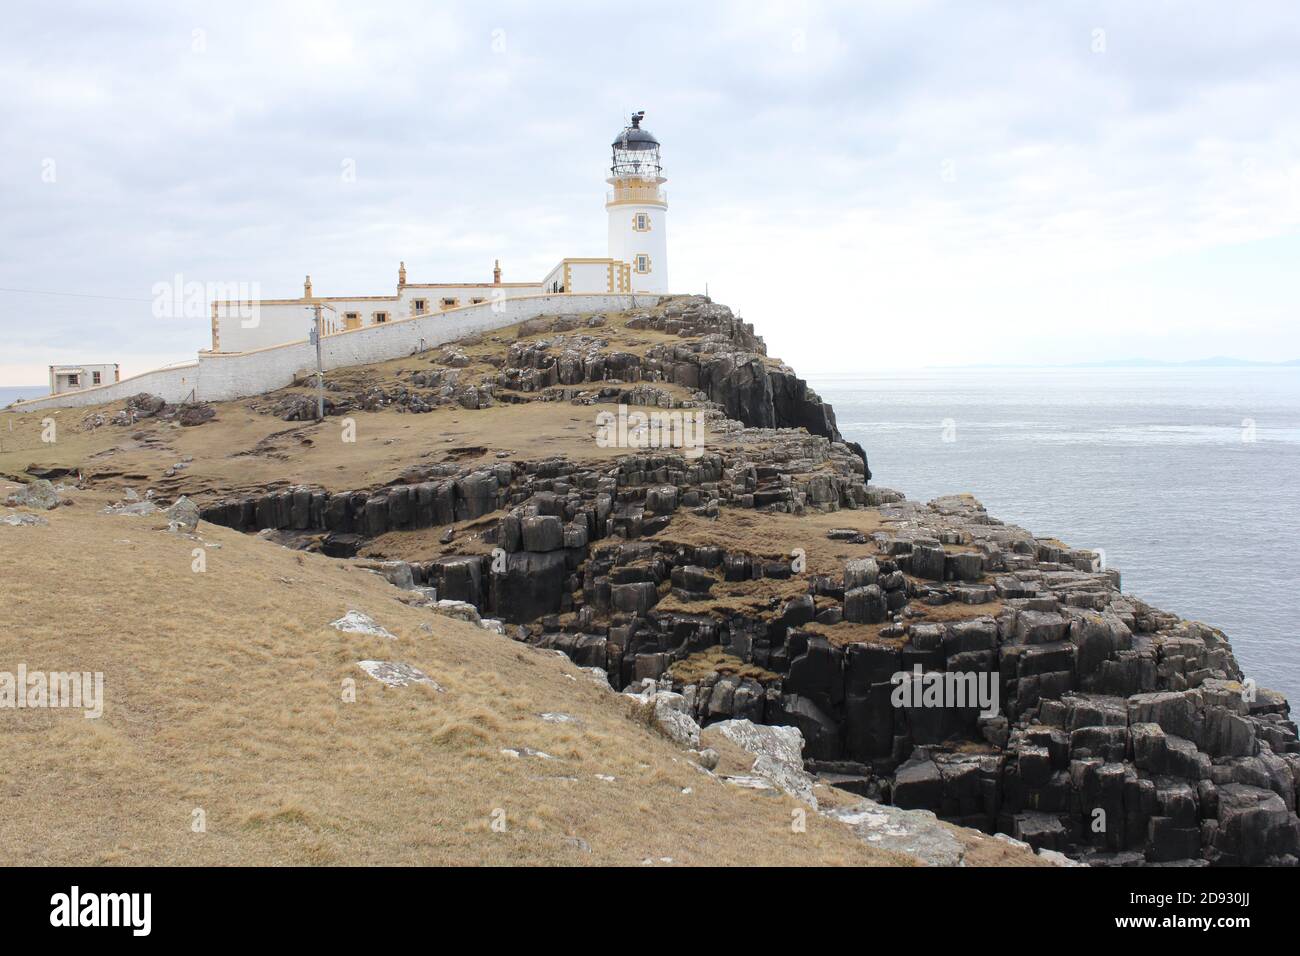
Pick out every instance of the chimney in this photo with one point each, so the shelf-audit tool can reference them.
(496, 273)
(306, 288)
(401, 274)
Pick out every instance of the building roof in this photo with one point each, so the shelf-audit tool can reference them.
(634, 137)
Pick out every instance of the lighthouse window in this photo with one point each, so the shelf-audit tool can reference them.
(641, 222)
(642, 263)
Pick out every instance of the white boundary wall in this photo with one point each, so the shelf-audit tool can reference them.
(220, 376)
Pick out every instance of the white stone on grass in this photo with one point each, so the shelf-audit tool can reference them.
(23, 520)
(355, 622)
(778, 755)
(916, 833)
(459, 610)
(395, 674)
(183, 516)
(668, 713)
(40, 494)
(396, 573)
(137, 509)
(526, 752)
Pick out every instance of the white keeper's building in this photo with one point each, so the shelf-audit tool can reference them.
(636, 261)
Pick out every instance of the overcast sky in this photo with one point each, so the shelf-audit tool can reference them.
(872, 184)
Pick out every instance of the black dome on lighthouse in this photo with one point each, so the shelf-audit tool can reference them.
(634, 137)
(636, 153)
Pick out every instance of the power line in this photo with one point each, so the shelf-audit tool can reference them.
(75, 295)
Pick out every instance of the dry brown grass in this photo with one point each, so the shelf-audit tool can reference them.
(424, 544)
(716, 661)
(224, 693)
(774, 535)
(739, 597)
(245, 449)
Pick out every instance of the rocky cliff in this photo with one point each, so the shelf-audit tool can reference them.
(764, 578)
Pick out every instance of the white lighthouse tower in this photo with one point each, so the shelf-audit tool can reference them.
(638, 208)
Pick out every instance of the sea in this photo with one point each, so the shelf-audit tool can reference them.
(10, 393)
(1187, 479)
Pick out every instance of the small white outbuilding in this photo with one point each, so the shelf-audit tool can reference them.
(72, 378)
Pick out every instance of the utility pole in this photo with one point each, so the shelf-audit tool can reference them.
(317, 330)
(320, 370)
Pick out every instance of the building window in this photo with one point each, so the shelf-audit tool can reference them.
(642, 263)
(74, 380)
(420, 305)
(450, 303)
(351, 320)
(94, 378)
(641, 222)
(381, 318)
(477, 301)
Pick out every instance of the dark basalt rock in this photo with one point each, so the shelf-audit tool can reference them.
(821, 732)
(740, 384)
(532, 585)
(190, 416)
(459, 578)
(303, 408)
(341, 545)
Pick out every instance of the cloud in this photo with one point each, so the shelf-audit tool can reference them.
(916, 182)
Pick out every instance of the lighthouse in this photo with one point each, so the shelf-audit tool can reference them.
(638, 207)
